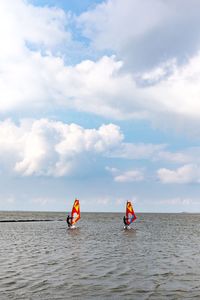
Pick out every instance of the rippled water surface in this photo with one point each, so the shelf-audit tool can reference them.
(158, 259)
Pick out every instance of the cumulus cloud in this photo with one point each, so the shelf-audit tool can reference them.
(126, 176)
(99, 88)
(183, 175)
(175, 157)
(53, 148)
(158, 154)
(30, 39)
(176, 96)
(142, 32)
(24, 26)
(43, 147)
(129, 176)
(34, 75)
(108, 92)
(162, 62)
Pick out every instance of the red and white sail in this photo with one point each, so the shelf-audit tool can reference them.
(130, 214)
(75, 214)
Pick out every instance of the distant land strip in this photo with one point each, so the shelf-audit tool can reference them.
(29, 220)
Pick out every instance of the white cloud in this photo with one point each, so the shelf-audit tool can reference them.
(23, 23)
(126, 176)
(129, 176)
(113, 23)
(185, 156)
(142, 32)
(175, 157)
(179, 93)
(138, 151)
(33, 74)
(183, 175)
(44, 147)
(30, 37)
(53, 148)
(115, 94)
(99, 88)
(165, 84)
(155, 153)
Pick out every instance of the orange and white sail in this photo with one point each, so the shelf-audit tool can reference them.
(130, 214)
(75, 214)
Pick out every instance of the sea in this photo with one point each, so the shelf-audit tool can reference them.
(158, 258)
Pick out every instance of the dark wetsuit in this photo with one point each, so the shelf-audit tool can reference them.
(125, 219)
(69, 220)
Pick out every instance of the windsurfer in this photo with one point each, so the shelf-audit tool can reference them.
(125, 220)
(69, 221)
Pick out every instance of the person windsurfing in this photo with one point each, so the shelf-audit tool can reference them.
(75, 215)
(69, 221)
(130, 215)
(125, 220)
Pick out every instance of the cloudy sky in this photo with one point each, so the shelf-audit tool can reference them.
(100, 100)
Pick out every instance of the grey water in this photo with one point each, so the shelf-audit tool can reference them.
(159, 258)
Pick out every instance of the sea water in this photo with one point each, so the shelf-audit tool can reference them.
(159, 258)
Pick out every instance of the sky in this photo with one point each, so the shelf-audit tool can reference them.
(100, 101)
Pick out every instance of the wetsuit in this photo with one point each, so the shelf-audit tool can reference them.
(69, 219)
(124, 219)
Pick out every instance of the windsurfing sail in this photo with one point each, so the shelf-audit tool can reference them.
(130, 214)
(75, 214)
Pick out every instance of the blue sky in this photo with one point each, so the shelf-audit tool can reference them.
(75, 6)
(100, 101)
